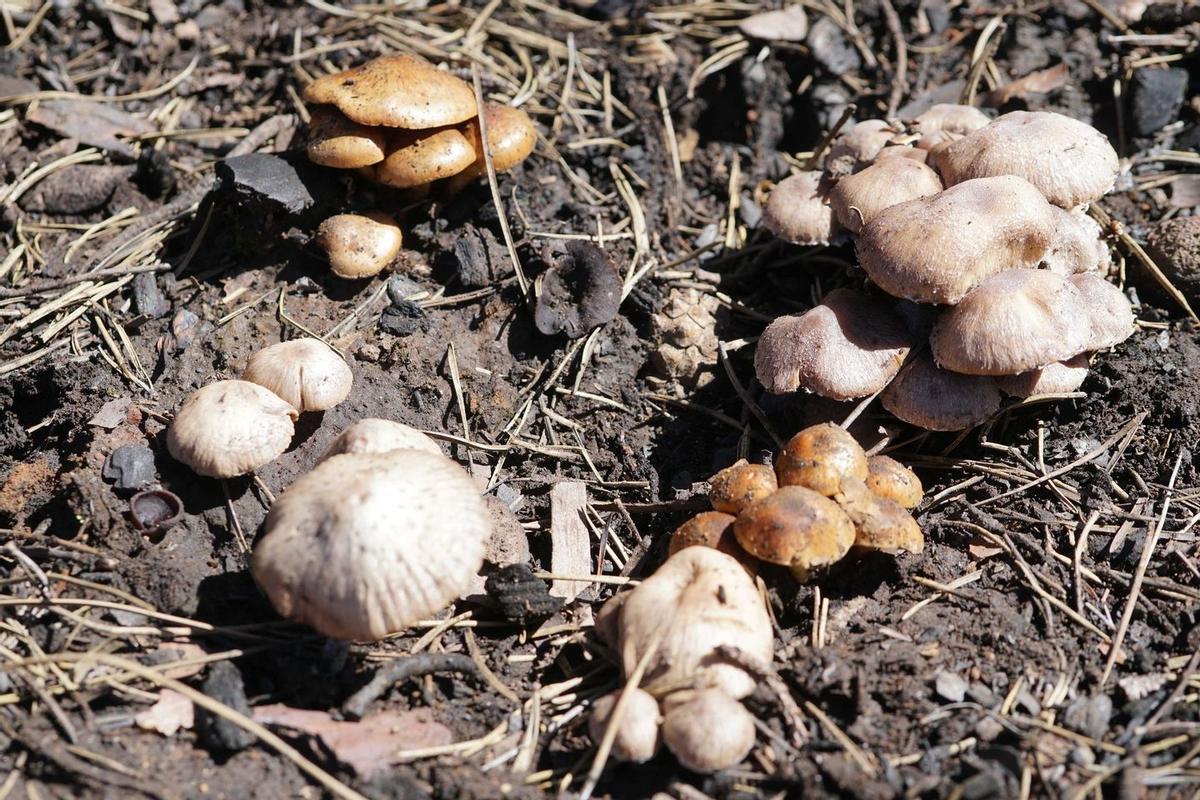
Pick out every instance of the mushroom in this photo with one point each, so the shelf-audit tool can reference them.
(798, 212)
(819, 458)
(707, 730)
(936, 249)
(396, 91)
(336, 141)
(950, 118)
(880, 523)
(511, 137)
(859, 145)
(856, 199)
(711, 529)
(638, 737)
(379, 436)
(940, 400)
(229, 428)
(737, 486)
(796, 527)
(1078, 244)
(849, 346)
(1107, 311)
(903, 151)
(1070, 162)
(359, 245)
(1015, 321)
(698, 601)
(888, 478)
(307, 373)
(366, 544)
(1057, 378)
(418, 158)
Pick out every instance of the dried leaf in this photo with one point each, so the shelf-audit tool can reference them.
(170, 713)
(1040, 82)
(981, 551)
(93, 124)
(111, 414)
(570, 541)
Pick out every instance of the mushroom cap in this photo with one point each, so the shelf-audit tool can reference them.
(880, 523)
(950, 117)
(511, 137)
(797, 210)
(366, 544)
(1107, 310)
(229, 428)
(937, 399)
(705, 600)
(417, 158)
(1015, 321)
(1070, 162)
(936, 249)
(1078, 244)
(336, 141)
(396, 91)
(307, 373)
(888, 478)
(903, 151)
(856, 199)
(711, 529)
(707, 730)
(849, 346)
(379, 436)
(638, 737)
(819, 458)
(862, 142)
(1056, 378)
(796, 527)
(359, 245)
(739, 485)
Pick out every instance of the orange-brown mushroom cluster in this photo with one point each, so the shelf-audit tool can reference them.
(824, 497)
(976, 226)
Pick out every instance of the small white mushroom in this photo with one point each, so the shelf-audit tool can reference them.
(229, 428)
(638, 737)
(379, 436)
(707, 730)
(307, 373)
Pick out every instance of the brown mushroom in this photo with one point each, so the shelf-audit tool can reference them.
(888, 478)
(857, 199)
(306, 372)
(880, 523)
(739, 485)
(397, 91)
(796, 527)
(418, 158)
(229, 428)
(359, 245)
(711, 529)
(336, 141)
(859, 145)
(511, 138)
(940, 400)
(798, 211)
(819, 458)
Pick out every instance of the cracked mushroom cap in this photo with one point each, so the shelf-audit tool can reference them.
(707, 730)
(379, 436)
(849, 346)
(397, 91)
(307, 373)
(739, 485)
(418, 158)
(1078, 244)
(861, 143)
(888, 478)
(880, 523)
(705, 600)
(951, 118)
(229, 428)
(937, 399)
(798, 210)
(337, 141)
(366, 544)
(1015, 321)
(1057, 378)
(1107, 310)
(639, 736)
(796, 527)
(936, 249)
(359, 245)
(857, 199)
(819, 457)
(1070, 162)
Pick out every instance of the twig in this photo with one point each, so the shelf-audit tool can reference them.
(900, 75)
(404, 669)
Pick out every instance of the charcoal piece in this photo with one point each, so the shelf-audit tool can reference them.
(263, 180)
(522, 596)
(405, 318)
(224, 684)
(129, 467)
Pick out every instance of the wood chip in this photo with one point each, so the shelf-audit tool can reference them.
(570, 541)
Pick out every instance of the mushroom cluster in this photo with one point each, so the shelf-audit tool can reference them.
(824, 497)
(401, 122)
(990, 270)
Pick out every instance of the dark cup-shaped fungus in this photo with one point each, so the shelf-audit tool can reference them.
(580, 291)
(796, 527)
(819, 458)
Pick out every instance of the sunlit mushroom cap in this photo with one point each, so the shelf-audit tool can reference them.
(707, 730)
(862, 142)
(856, 199)
(417, 158)
(936, 249)
(1070, 162)
(880, 523)
(903, 151)
(819, 458)
(511, 138)
(359, 245)
(366, 544)
(1078, 244)
(336, 141)
(379, 436)
(798, 210)
(951, 118)
(887, 477)
(705, 600)
(398, 91)
(638, 735)
(739, 485)
(1015, 321)
(229, 428)
(796, 527)
(1056, 378)
(848, 346)
(940, 400)
(307, 373)
(1107, 310)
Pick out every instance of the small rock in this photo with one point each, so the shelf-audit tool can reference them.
(1158, 95)
(155, 175)
(1083, 756)
(781, 25)
(262, 179)
(831, 48)
(981, 694)
(404, 319)
(147, 297)
(401, 287)
(1089, 715)
(988, 729)
(224, 684)
(186, 327)
(129, 467)
(750, 212)
(580, 291)
(950, 686)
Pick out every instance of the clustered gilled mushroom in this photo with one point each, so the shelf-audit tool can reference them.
(401, 122)
(983, 230)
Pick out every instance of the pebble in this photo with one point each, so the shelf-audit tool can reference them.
(1089, 715)
(831, 48)
(1158, 95)
(129, 467)
(224, 684)
(147, 297)
(404, 318)
(950, 686)
(264, 179)
(988, 729)
(402, 287)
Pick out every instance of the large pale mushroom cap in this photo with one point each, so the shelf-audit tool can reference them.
(359, 245)
(798, 210)
(940, 400)
(1056, 378)
(337, 141)
(397, 91)
(1078, 244)
(417, 158)
(1015, 321)
(379, 436)
(707, 730)
(796, 527)
(364, 545)
(936, 249)
(704, 599)
(1109, 315)
(857, 199)
(849, 346)
(307, 373)
(229, 428)
(1070, 162)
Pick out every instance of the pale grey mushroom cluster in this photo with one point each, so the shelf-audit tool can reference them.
(988, 277)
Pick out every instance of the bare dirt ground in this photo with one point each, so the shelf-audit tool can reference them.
(1046, 643)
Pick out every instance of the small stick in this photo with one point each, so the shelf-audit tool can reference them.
(900, 76)
(404, 669)
(827, 140)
